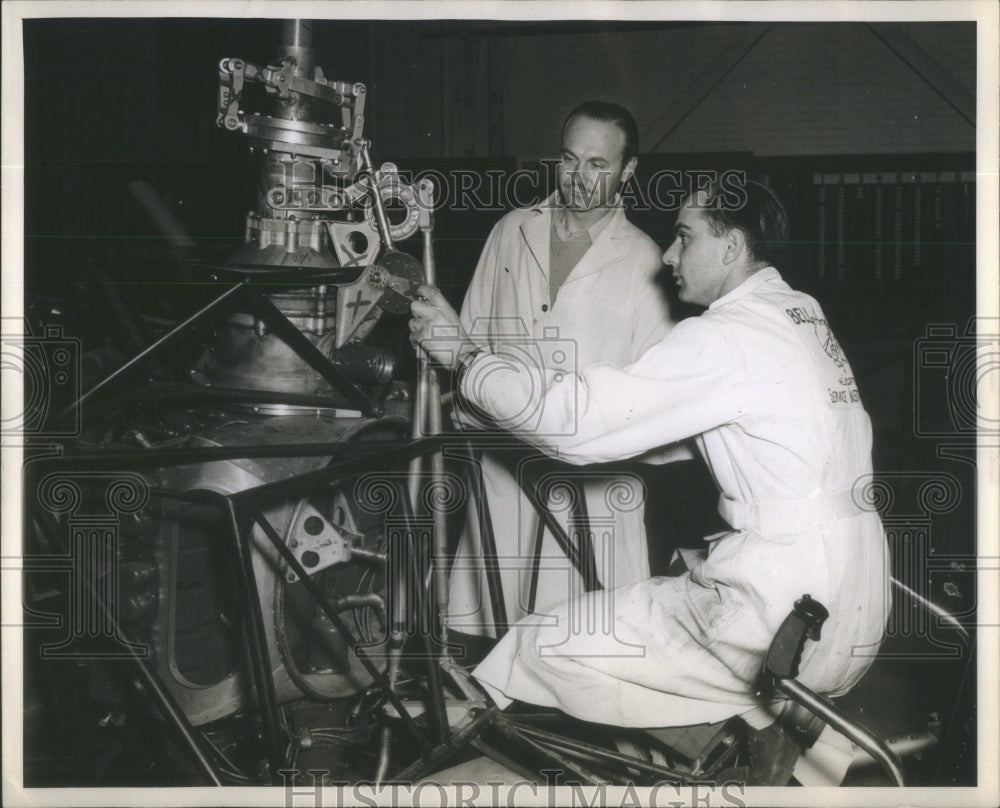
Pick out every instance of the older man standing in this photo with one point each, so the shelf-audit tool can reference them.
(761, 382)
(574, 280)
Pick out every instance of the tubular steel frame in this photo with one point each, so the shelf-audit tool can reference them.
(244, 510)
(246, 286)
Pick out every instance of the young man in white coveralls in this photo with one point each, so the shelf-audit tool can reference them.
(761, 383)
(572, 276)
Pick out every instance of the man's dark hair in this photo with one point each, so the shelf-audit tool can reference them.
(754, 209)
(609, 112)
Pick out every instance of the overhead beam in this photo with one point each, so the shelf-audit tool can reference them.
(925, 66)
(720, 67)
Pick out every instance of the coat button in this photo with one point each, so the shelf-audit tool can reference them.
(545, 306)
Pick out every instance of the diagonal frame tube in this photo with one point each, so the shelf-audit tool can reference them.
(309, 353)
(223, 303)
(584, 563)
(260, 661)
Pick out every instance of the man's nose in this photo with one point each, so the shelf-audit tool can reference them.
(670, 257)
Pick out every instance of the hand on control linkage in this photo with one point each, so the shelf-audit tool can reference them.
(436, 329)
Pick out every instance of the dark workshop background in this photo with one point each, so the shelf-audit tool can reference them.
(866, 131)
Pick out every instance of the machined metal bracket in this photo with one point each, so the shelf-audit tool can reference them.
(316, 543)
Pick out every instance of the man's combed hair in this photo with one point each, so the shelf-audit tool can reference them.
(609, 112)
(754, 209)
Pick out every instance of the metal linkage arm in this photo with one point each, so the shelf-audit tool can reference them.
(278, 80)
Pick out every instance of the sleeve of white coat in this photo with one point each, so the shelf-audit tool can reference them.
(477, 307)
(652, 322)
(651, 317)
(684, 385)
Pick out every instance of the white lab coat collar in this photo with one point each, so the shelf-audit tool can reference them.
(615, 228)
(759, 277)
(536, 227)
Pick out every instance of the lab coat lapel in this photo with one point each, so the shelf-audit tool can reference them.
(535, 231)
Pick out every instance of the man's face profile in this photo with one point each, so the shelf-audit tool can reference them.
(591, 167)
(697, 256)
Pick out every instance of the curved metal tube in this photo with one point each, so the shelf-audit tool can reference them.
(874, 746)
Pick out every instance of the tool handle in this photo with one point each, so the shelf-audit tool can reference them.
(785, 651)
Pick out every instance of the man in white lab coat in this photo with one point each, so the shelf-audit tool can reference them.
(761, 383)
(572, 278)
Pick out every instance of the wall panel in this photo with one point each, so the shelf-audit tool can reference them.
(804, 89)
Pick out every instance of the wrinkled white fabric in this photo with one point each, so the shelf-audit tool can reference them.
(761, 381)
(607, 310)
(826, 762)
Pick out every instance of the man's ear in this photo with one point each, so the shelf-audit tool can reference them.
(629, 169)
(736, 244)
